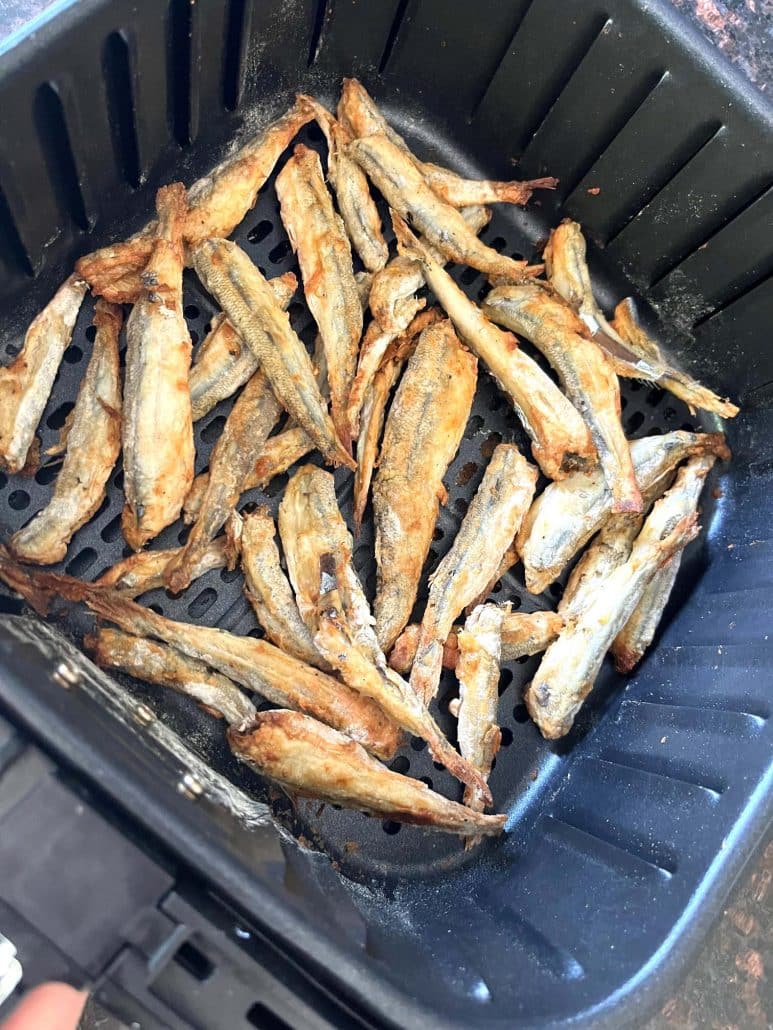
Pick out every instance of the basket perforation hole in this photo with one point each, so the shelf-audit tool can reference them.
(280, 252)
(469, 275)
(556, 591)
(3, 480)
(19, 500)
(490, 444)
(428, 781)
(277, 485)
(466, 473)
(58, 418)
(263, 229)
(182, 535)
(156, 608)
(439, 766)
(194, 962)
(255, 632)
(390, 826)
(118, 480)
(418, 744)
(636, 421)
(521, 713)
(229, 575)
(81, 562)
(91, 333)
(112, 530)
(437, 533)
(498, 243)
(202, 603)
(194, 337)
(191, 311)
(505, 679)
(12, 350)
(461, 506)
(47, 473)
(213, 429)
(401, 764)
(73, 354)
(507, 736)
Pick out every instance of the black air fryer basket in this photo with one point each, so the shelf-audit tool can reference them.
(135, 854)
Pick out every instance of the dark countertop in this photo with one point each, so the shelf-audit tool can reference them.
(729, 986)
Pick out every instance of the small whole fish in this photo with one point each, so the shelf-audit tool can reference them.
(610, 548)
(158, 451)
(217, 203)
(569, 667)
(693, 393)
(560, 439)
(358, 209)
(224, 362)
(25, 384)
(423, 431)
(406, 191)
(492, 521)
(269, 591)
(144, 570)
(523, 633)
(319, 239)
(93, 443)
(245, 297)
(165, 666)
(311, 760)
(246, 429)
(477, 670)
(586, 375)
(567, 514)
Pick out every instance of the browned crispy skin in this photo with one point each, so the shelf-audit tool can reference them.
(216, 205)
(158, 451)
(423, 431)
(144, 570)
(93, 443)
(319, 239)
(311, 760)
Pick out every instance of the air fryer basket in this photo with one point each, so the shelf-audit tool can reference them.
(623, 839)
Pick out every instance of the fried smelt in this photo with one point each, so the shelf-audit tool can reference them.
(217, 203)
(360, 114)
(269, 591)
(319, 239)
(423, 431)
(492, 521)
(247, 300)
(252, 418)
(144, 571)
(158, 451)
(637, 634)
(567, 514)
(312, 760)
(357, 206)
(586, 375)
(224, 362)
(406, 191)
(477, 670)
(569, 667)
(165, 666)
(25, 384)
(687, 389)
(560, 439)
(93, 445)
(523, 633)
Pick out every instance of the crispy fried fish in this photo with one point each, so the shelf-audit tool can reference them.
(570, 665)
(406, 191)
(144, 570)
(567, 514)
(319, 239)
(637, 634)
(311, 760)
(25, 385)
(269, 591)
(523, 633)
(167, 667)
(245, 297)
(423, 431)
(492, 521)
(223, 362)
(560, 438)
(255, 664)
(93, 445)
(359, 113)
(693, 393)
(246, 429)
(478, 732)
(610, 548)
(586, 375)
(158, 451)
(358, 208)
(216, 205)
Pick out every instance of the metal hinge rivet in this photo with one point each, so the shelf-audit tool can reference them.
(190, 787)
(65, 675)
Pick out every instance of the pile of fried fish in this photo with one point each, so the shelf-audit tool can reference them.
(387, 394)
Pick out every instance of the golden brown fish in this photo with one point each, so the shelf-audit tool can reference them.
(217, 203)
(570, 665)
(311, 760)
(247, 300)
(319, 239)
(423, 431)
(165, 666)
(223, 362)
(492, 521)
(144, 570)
(25, 385)
(586, 374)
(158, 451)
(523, 633)
(567, 514)
(560, 438)
(93, 443)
